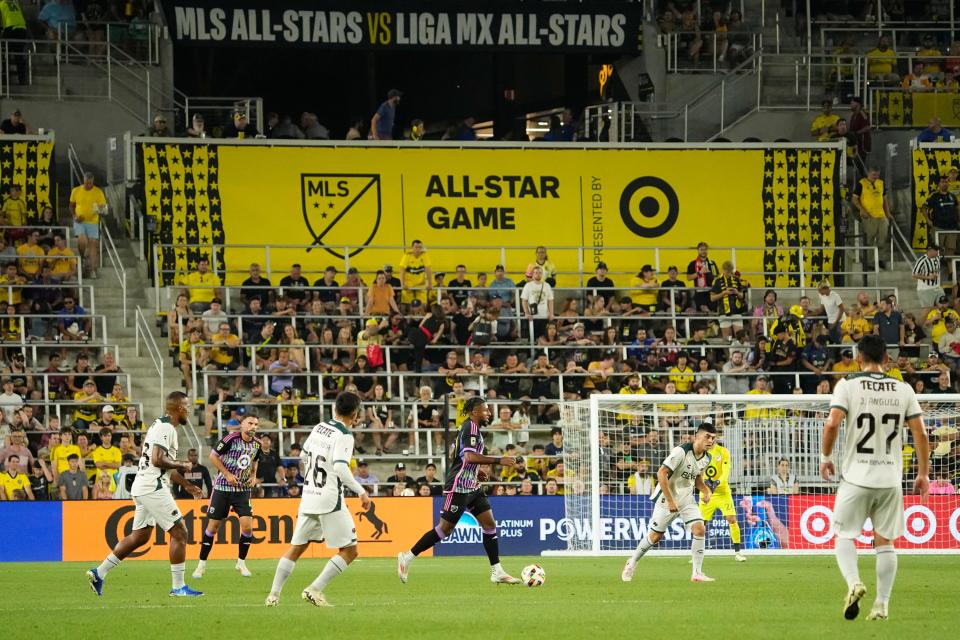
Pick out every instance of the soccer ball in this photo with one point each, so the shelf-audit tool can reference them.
(533, 575)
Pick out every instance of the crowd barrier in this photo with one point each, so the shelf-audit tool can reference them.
(528, 525)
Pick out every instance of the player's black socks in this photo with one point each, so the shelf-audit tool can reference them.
(244, 545)
(736, 547)
(491, 545)
(427, 541)
(206, 545)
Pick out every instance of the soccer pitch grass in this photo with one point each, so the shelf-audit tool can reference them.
(773, 596)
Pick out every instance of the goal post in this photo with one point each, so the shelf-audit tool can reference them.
(613, 446)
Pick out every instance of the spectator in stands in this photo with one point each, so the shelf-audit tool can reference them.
(87, 204)
(256, 286)
(381, 298)
(784, 481)
(888, 324)
(270, 469)
(930, 56)
(74, 323)
(554, 448)
(728, 294)
(58, 16)
(733, 380)
(14, 482)
(824, 126)
(327, 288)
(768, 310)
(501, 285)
(15, 124)
(294, 287)
(177, 319)
(537, 301)
(194, 339)
(415, 274)
(548, 268)
(15, 212)
(72, 482)
(645, 290)
(80, 371)
(672, 294)
(281, 371)
(934, 133)
(312, 129)
(815, 360)
(831, 306)
(17, 447)
(201, 286)
(382, 123)
(61, 259)
(846, 365)
(701, 272)
(10, 401)
(854, 326)
(400, 477)
(689, 34)
(917, 79)
(197, 128)
(240, 127)
(882, 63)
(861, 128)
(86, 399)
(40, 479)
(107, 371)
(600, 284)
(225, 355)
(351, 288)
(936, 319)
(159, 129)
(942, 214)
(948, 345)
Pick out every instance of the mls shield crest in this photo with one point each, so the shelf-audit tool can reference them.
(341, 210)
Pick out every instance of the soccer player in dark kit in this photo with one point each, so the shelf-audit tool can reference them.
(235, 457)
(463, 493)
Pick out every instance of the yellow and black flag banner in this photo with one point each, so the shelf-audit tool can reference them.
(182, 192)
(894, 108)
(27, 165)
(901, 108)
(928, 166)
(800, 198)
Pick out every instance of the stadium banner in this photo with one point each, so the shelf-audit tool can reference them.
(353, 201)
(31, 532)
(934, 525)
(894, 108)
(532, 525)
(929, 163)
(418, 25)
(27, 162)
(91, 529)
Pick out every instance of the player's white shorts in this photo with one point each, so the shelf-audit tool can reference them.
(156, 509)
(336, 527)
(855, 504)
(687, 511)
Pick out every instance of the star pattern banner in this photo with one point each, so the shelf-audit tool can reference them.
(907, 109)
(928, 165)
(182, 192)
(28, 165)
(800, 199)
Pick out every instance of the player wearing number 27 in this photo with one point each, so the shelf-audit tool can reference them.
(323, 514)
(155, 506)
(875, 407)
(679, 475)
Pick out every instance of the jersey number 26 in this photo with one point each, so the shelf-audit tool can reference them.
(316, 475)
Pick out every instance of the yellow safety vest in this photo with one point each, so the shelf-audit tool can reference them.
(871, 197)
(12, 15)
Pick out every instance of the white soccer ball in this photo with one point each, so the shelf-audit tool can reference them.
(533, 575)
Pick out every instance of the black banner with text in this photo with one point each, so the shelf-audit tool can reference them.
(408, 24)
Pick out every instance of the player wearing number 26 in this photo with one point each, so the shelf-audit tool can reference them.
(876, 408)
(323, 514)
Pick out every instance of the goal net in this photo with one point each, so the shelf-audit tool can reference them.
(613, 446)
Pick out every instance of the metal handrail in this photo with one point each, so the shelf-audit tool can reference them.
(110, 249)
(76, 167)
(144, 336)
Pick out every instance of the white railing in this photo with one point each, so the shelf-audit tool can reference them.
(147, 342)
(109, 248)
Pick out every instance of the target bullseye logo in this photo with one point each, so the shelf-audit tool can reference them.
(816, 525)
(649, 207)
(921, 524)
(955, 524)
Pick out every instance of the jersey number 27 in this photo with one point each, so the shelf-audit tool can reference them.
(869, 422)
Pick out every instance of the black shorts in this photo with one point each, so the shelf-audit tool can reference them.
(222, 501)
(456, 503)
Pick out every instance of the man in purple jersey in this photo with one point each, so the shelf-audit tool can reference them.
(462, 492)
(235, 457)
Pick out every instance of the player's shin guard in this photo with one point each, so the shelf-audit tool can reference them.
(699, 543)
(284, 569)
(334, 567)
(886, 572)
(846, 552)
(491, 545)
(427, 541)
(176, 574)
(244, 545)
(735, 535)
(206, 544)
(642, 548)
(108, 565)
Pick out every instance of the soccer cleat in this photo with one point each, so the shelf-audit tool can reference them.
(96, 582)
(242, 568)
(851, 604)
(185, 592)
(699, 577)
(273, 600)
(198, 572)
(627, 574)
(739, 557)
(403, 566)
(879, 612)
(502, 577)
(315, 598)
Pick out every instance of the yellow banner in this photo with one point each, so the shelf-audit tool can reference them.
(928, 165)
(482, 202)
(916, 108)
(27, 165)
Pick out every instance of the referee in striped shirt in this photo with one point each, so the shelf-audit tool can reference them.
(927, 274)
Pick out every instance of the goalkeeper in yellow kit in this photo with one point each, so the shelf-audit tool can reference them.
(717, 477)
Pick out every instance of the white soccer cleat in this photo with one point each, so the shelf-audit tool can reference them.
(627, 574)
(699, 577)
(879, 612)
(739, 557)
(403, 565)
(499, 576)
(272, 600)
(851, 603)
(242, 568)
(315, 598)
(198, 572)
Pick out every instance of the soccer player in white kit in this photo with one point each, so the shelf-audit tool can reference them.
(875, 407)
(680, 473)
(155, 506)
(323, 514)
